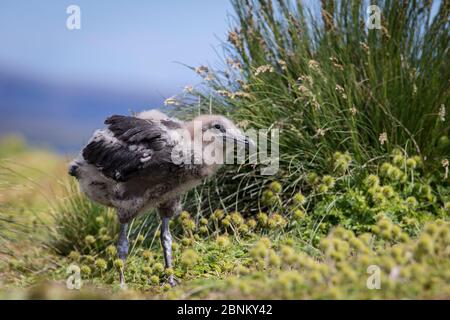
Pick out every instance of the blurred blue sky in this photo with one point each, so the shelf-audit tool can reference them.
(121, 44)
(57, 85)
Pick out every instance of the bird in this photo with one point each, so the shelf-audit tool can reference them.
(148, 161)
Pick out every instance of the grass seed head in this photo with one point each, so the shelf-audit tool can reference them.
(85, 270)
(189, 258)
(101, 264)
(299, 199)
(119, 264)
(154, 280)
(89, 239)
(74, 255)
(275, 187)
(111, 251)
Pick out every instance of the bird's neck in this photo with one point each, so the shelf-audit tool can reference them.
(208, 160)
(208, 170)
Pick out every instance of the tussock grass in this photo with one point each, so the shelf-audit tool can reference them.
(80, 224)
(329, 84)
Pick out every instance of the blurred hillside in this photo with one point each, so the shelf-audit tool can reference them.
(57, 85)
(61, 116)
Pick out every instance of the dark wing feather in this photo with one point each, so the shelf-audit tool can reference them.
(137, 140)
(134, 130)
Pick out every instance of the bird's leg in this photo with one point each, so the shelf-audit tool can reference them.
(166, 241)
(122, 249)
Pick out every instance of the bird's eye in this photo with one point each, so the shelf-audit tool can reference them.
(217, 126)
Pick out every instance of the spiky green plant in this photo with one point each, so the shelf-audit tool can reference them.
(329, 84)
(80, 224)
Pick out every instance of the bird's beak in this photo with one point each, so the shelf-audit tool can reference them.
(239, 138)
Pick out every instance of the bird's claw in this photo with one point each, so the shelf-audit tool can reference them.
(123, 285)
(172, 281)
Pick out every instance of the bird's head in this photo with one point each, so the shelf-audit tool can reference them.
(219, 128)
(213, 138)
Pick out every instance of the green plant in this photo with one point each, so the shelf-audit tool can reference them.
(408, 268)
(329, 84)
(76, 224)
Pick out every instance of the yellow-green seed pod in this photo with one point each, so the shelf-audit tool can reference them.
(275, 187)
(154, 280)
(147, 254)
(252, 223)
(147, 270)
(118, 263)
(312, 178)
(184, 215)
(111, 251)
(299, 214)
(158, 267)
(218, 214)
(398, 160)
(299, 199)
(189, 258)
(100, 220)
(226, 222)
(101, 264)
(236, 218)
(223, 241)
(74, 255)
(262, 218)
(329, 181)
(85, 270)
(372, 181)
(89, 239)
(322, 188)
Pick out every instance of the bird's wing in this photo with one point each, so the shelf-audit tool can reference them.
(128, 146)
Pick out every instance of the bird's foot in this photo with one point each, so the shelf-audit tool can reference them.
(172, 281)
(123, 285)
